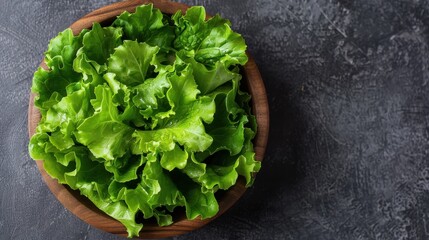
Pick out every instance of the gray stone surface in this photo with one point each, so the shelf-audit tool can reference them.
(348, 154)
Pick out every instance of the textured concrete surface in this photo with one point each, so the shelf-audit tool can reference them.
(348, 154)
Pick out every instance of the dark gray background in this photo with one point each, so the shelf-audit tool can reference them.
(348, 154)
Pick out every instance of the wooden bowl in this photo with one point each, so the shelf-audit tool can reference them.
(84, 209)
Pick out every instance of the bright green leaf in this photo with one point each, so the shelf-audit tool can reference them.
(131, 62)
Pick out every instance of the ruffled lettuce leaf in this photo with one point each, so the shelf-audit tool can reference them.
(103, 133)
(212, 40)
(99, 42)
(191, 28)
(117, 209)
(124, 168)
(168, 194)
(221, 44)
(197, 202)
(59, 58)
(186, 126)
(122, 97)
(131, 61)
(209, 78)
(176, 158)
(151, 100)
(147, 24)
(189, 133)
(62, 50)
(91, 71)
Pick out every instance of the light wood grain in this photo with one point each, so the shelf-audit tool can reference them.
(85, 210)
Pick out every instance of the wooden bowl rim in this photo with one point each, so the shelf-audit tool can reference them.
(84, 209)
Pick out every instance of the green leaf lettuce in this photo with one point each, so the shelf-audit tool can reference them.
(146, 116)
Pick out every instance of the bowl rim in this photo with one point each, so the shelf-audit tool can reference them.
(84, 209)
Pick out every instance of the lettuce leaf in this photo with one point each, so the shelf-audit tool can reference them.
(105, 122)
(146, 115)
(59, 58)
(131, 61)
(212, 40)
(146, 24)
(99, 42)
